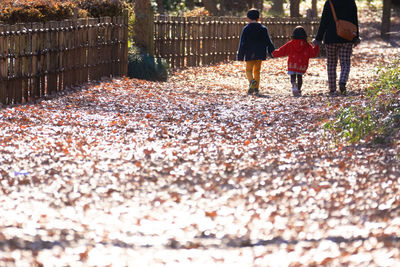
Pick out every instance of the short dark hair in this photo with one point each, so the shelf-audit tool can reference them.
(253, 14)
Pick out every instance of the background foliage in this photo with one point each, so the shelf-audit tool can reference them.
(45, 10)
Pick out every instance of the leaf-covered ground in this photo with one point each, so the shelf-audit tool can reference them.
(194, 171)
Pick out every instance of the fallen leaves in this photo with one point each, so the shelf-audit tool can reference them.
(121, 172)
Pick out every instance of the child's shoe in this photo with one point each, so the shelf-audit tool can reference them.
(252, 87)
(256, 92)
(295, 90)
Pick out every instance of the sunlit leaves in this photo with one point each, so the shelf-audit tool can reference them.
(195, 171)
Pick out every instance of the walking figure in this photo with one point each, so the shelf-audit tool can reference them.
(299, 52)
(337, 47)
(254, 44)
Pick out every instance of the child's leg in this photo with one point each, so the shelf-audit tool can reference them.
(249, 74)
(257, 72)
(293, 79)
(299, 81)
(295, 90)
(249, 70)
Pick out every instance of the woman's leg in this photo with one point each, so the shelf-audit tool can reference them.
(332, 58)
(345, 52)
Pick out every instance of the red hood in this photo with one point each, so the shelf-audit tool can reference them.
(299, 45)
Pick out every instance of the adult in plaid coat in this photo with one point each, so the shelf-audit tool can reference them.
(337, 47)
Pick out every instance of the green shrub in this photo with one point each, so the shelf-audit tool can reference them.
(379, 118)
(144, 66)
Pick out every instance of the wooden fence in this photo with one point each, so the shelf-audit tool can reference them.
(197, 41)
(38, 59)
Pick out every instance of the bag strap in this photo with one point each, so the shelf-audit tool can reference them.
(333, 11)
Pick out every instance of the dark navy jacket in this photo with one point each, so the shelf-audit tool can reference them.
(254, 43)
(346, 10)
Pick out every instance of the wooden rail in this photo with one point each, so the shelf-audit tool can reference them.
(39, 59)
(197, 41)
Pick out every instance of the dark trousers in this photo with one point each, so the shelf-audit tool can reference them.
(299, 82)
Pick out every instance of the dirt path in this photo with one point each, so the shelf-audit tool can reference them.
(193, 171)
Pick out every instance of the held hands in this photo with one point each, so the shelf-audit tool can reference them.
(316, 42)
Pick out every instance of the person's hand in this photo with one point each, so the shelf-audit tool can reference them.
(316, 42)
(356, 41)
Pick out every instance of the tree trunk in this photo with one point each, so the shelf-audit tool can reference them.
(294, 8)
(143, 27)
(211, 6)
(277, 7)
(257, 4)
(260, 5)
(160, 7)
(314, 8)
(189, 4)
(385, 26)
(234, 7)
(251, 4)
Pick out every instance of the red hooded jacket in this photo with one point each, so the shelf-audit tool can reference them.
(299, 52)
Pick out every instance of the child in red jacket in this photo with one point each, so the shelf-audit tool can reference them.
(299, 51)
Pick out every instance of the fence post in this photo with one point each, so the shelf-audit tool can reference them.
(85, 49)
(12, 45)
(125, 42)
(52, 58)
(190, 42)
(24, 59)
(92, 42)
(18, 84)
(3, 66)
(115, 45)
(42, 58)
(27, 71)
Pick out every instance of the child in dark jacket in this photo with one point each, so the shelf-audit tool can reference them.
(299, 51)
(253, 46)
